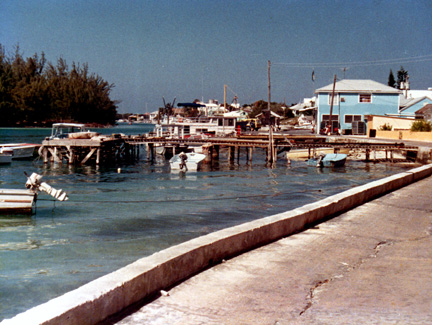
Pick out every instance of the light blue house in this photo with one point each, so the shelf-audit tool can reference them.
(353, 101)
(408, 106)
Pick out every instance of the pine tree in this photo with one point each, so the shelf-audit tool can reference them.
(402, 76)
(391, 80)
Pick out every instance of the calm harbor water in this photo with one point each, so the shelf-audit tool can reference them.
(113, 219)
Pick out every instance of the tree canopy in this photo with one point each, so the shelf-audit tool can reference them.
(36, 92)
(391, 80)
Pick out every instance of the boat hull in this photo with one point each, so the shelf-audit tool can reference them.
(329, 160)
(302, 154)
(17, 201)
(191, 164)
(5, 158)
(20, 150)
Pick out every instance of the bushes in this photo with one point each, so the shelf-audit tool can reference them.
(421, 126)
(385, 127)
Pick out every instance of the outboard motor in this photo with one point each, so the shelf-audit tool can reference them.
(34, 183)
(183, 157)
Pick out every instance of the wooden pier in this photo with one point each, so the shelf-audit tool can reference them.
(278, 144)
(83, 151)
(106, 150)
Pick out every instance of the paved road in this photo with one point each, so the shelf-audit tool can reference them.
(372, 264)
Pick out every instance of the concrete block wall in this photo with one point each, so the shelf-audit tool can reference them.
(116, 291)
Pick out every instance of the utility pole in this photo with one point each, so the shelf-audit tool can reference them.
(225, 98)
(270, 155)
(331, 105)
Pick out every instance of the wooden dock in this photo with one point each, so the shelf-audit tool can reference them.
(108, 150)
(83, 151)
(278, 144)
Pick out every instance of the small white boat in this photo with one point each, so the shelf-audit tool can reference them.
(70, 131)
(306, 153)
(17, 201)
(186, 161)
(328, 160)
(5, 156)
(24, 201)
(20, 150)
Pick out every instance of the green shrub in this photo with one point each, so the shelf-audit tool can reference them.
(421, 126)
(386, 127)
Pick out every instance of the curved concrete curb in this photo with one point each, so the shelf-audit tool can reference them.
(114, 292)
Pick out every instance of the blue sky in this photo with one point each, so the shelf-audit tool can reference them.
(191, 49)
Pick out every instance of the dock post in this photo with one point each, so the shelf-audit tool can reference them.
(148, 151)
(206, 150)
(45, 155)
(250, 149)
(98, 156)
(367, 154)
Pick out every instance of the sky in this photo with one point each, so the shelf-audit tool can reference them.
(190, 49)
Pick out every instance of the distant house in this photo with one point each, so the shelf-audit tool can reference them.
(425, 112)
(409, 106)
(353, 101)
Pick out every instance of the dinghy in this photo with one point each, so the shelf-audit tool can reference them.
(186, 161)
(24, 201)
(328, 160)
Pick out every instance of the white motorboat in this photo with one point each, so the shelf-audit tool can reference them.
(70, 131)
(20, 150)
(328, 160)
(5, 156)
(186, 161)
(17, 201)
(24, 201)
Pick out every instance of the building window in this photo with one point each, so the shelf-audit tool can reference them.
(335, 99)
(365, 98)
(326, 117)
(352, 118)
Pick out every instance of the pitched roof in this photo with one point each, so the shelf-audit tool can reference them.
(424, 109)
(358, 86)
(407, 103)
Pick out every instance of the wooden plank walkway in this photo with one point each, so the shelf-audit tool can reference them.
(114, 149)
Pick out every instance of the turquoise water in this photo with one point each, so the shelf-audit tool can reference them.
(113, 219)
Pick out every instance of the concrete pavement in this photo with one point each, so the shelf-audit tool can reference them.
(372, 264)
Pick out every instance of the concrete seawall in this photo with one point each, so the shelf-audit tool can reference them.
(112, 293)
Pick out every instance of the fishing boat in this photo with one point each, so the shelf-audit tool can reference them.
(20, 150)
(189, 161)
(303, 154)
(24, 201)
(70, 131)
(5, 156)
(328, 160)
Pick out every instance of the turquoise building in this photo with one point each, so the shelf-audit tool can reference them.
(353, 101)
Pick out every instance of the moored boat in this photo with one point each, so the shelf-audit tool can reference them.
(186, 161)
(5, 156)
(70, 131)
(17, 201)
(306, 153)
(24, 201)
(20, 150)
(328, 160)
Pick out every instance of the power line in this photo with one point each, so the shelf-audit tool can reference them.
(421, 58)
